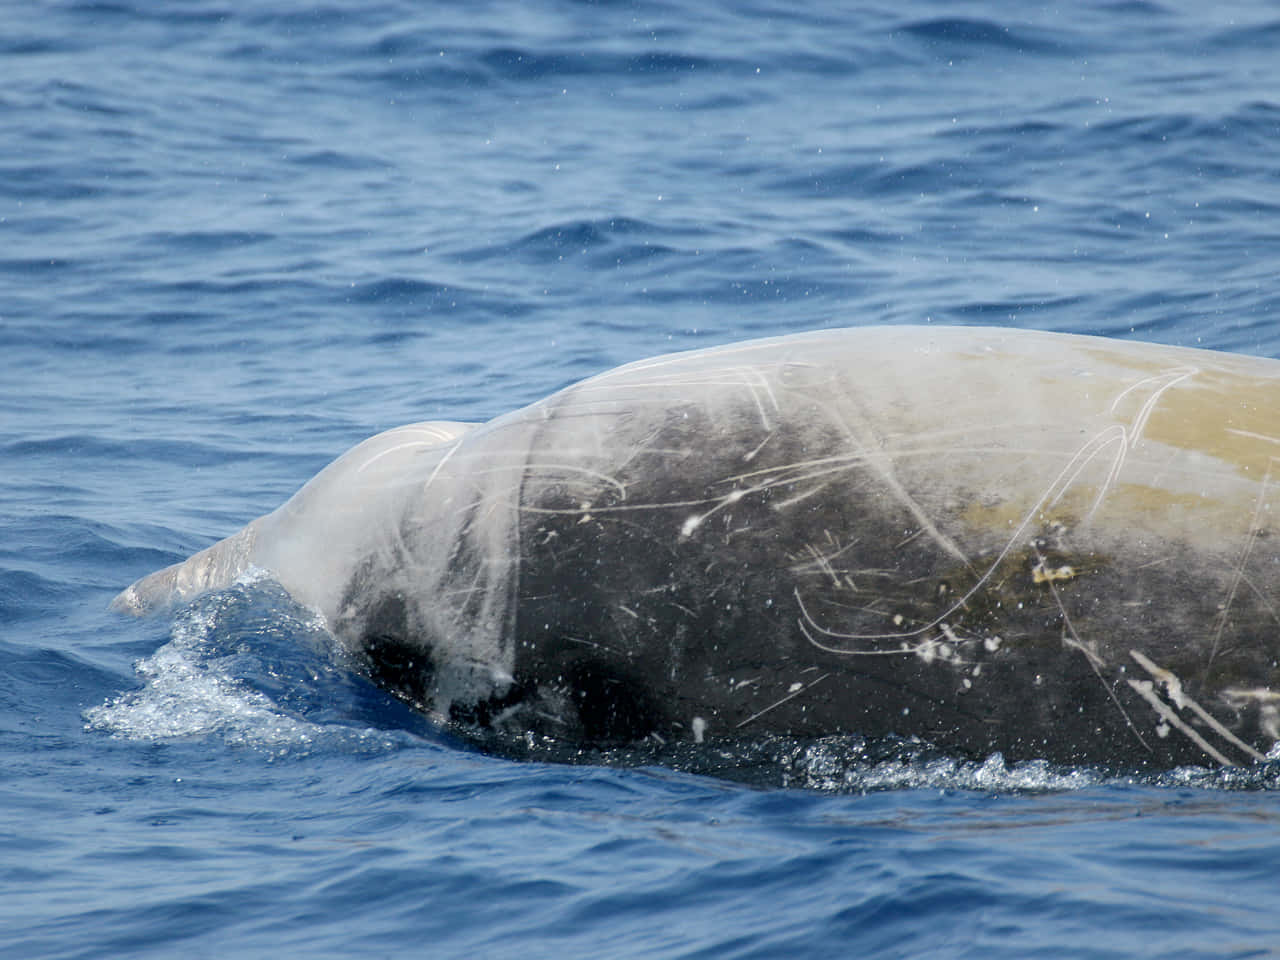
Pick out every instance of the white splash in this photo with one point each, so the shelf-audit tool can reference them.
(189, 693)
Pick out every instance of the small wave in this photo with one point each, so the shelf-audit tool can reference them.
(410, 296)
(960, 33)
(516, 63)
(1253, 36)
(610, 241)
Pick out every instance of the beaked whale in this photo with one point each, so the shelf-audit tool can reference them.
(1048, 545)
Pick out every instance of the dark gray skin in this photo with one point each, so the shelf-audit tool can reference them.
(1052, 546)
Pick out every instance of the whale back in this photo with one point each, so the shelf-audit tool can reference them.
(1049, 545)
(999, 540)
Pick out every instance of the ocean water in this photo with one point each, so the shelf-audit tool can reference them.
(237, 238)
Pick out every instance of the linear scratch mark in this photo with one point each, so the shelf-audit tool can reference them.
(1128, 439)
(1171, 377)
(426, 444)
(908, 651)
(1177, 375)
(1263, 599)
(1253, 436)
(439, 465)
(756, 716)
(758, 447)
(823, 564)
(1162, 709)
(557, 470)
(862, 437)
(1066, 476)
(1095, 661)
(1180, 699)
(792, 501)
(1238, 576)
(752, 380)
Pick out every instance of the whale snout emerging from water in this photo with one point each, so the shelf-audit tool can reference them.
(1053, 546)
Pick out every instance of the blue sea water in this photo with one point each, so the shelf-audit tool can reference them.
(237, 238)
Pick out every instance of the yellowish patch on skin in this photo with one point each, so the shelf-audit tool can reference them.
(1225, 414)
(1002, 515)
(1211, 403)
(1045, 574)
(1127, 499)
(1131, 508)
(1135, 501)
(1193, 441)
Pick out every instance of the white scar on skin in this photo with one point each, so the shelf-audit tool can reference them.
(778, 703)
(1067, 476)
(1180, 699)
(1115, 435)
(749, 377)
(1165, 712)
(1253, 436)
(1172, 377)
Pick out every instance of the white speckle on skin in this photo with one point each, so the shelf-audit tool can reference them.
(795, 686)
(699, 727)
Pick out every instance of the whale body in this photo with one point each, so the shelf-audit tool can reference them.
(1048, 545)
